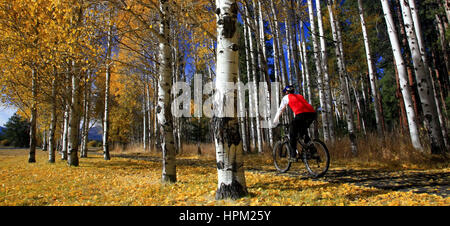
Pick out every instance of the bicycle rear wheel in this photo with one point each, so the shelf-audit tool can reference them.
(281, 156)
(316, 159)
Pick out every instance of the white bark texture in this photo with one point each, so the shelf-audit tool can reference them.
(254, 92)
(326, 80)
(228, 143)
(342, 75)
(317, 60)
(424, 85)
(51, 135)
(370, 66)
(403, 77)
(106, 154)
(165, 118)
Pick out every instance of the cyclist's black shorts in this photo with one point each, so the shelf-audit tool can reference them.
(299, 126)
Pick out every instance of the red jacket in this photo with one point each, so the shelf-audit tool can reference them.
(298, 104)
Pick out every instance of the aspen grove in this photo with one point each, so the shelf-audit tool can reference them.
(160, 75)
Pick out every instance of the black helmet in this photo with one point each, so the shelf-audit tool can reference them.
(289, 89)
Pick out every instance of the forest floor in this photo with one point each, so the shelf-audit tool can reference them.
(133, 178)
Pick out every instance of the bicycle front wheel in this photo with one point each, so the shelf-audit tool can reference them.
(316, 159)
(281, 156)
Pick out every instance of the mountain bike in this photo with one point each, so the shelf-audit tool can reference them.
(314, 155)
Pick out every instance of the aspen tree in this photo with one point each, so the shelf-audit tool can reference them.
(228, 143)
(326, 80)
(370, 67)
(401, 69)
(342, 77)
(317, 61)
(423, 79)
(165, 119)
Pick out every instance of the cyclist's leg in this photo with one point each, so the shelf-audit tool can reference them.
(293, 133)
(309, 118)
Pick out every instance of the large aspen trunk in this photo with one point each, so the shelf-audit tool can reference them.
(317, 60)
(372, 75)
(401, 69)
(32, 154)
(342, 77)
(423, 79)
(421, 44)
(228, 143)
(74, 121)
(165, 118)
(407, 55)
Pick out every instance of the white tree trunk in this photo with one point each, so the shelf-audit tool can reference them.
(342, 77)
(106, 154)
(326, 80)
(86, 118)
(278, 48)
(250, 73)
(44, 140)
(165, 118)
(254, 54)
(423, 83)
(289, 60)
(326, 132)
(51, 135)
(370, 67)
(149, 115)
(144, 119)
(266, 78)
(403, 77)
(421, 43)
(305, 65)
(228, 143)
(65, 133)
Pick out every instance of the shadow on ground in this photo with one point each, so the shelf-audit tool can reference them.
(420, 181)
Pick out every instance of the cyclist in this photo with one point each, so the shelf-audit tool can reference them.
(304, 116)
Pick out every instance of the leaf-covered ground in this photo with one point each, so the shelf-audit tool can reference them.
(136, 181)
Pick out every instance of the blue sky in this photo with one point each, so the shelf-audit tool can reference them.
(5, 114)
